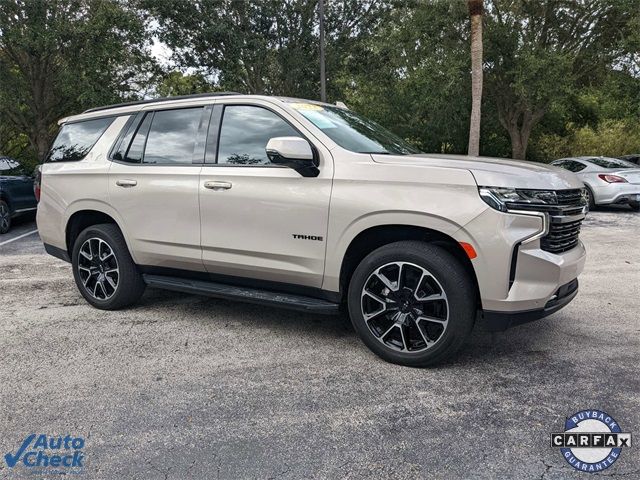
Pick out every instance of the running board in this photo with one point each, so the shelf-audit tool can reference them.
(243, 294)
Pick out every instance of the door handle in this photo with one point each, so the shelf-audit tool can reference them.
(218, 185)
(126, 183)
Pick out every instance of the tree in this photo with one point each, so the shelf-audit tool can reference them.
(539, 51)
(175, 83)
(59, 57)
(411, 74)
(267, 47)
(476, 8)
(262, 47)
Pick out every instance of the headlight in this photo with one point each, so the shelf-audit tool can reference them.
(504, 199)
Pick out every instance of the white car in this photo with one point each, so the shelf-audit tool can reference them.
(609, 181)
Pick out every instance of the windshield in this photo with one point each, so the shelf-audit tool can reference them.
(605, 162)
(353, 132)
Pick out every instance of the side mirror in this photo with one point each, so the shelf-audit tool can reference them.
(295, 153)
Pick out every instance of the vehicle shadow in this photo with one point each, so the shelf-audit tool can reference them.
(482, 345)
(613, 209)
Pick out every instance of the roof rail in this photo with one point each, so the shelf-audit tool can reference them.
(162, 99)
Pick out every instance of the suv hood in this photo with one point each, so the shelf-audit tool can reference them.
(494, 172)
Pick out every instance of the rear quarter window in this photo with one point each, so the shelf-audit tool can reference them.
(75, 140)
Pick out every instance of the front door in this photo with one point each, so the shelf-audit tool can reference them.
(261, 220)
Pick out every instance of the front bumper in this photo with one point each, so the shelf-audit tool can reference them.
(500, 321)
(516, 278)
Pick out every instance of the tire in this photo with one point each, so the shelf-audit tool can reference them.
(635, 206)
(592, 201)
(5, 217)
(416, 343)
(96, 277)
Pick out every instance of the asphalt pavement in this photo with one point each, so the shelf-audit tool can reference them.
(183, 386)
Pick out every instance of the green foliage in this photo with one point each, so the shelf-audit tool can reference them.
(175, 83)
(58, 57)
(266, 47)
(413, 75)
(560, 75)
(611, 138)
(251, 47)
(540, 53)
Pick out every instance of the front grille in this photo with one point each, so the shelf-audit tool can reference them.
(561, 236)
(565, 220)
(570, 197)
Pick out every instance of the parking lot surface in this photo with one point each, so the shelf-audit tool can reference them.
(184, 386)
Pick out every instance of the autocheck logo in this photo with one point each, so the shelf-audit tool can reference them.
(47, 454)
(592, 440)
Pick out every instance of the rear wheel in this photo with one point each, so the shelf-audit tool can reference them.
(412, 303)
(5, 217)
(635, 206)
(104, 270)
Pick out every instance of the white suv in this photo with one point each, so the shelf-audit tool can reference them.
(309, 206)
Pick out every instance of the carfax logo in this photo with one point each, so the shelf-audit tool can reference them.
(592, 440)
(48, 454)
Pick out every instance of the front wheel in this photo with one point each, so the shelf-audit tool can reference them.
(412, 303)
(635, 206)
(103, 269)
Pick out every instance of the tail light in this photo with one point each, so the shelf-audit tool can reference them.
(37, 181)
(612, 178)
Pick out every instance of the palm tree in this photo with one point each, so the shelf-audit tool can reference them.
(476, 8)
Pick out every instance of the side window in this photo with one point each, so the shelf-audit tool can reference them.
(75, 140)
(134, 154)
(171, 138)
(245, 132)
(576, 166)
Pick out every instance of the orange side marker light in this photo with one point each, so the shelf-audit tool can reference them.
(469, 250)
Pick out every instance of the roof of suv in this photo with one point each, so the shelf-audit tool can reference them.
(161, 99)
(128, 107)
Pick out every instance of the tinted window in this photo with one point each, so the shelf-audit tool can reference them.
(353, 132)
(576, 166)
(172, 136)
(134, 154)
(75, 140)
(245, 132)
(605, 162)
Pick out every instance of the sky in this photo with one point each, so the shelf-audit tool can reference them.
(161, 52)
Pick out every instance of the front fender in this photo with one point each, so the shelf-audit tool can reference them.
(337, 248)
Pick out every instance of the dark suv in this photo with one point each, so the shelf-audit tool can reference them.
(16, 192)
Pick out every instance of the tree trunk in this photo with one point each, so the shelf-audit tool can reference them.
(475, 11)
(518, 147)
(42, 143)
(519, 122)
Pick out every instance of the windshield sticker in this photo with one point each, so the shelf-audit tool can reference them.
(307, 107)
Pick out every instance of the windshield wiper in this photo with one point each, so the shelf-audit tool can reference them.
(383, 152)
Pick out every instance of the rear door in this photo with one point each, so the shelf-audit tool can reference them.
(17, 185)
(153, 184)
(24, 193)
(261, 220)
